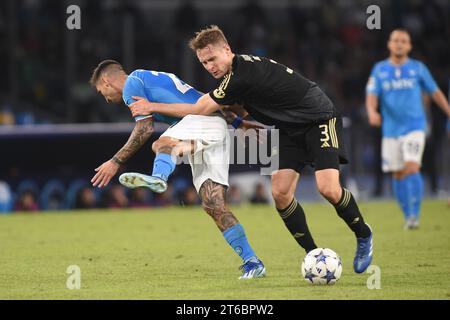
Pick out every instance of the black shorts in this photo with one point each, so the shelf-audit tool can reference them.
(319, 145)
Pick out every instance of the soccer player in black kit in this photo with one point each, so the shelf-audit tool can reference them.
(310, 130)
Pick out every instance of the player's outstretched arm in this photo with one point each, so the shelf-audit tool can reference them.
(204, 106)
(140, 134)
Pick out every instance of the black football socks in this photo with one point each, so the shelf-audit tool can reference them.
(295, 220)
(348, 210)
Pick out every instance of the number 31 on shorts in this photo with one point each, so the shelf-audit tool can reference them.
(328, 132)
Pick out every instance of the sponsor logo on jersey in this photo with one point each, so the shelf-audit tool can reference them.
(398, 84)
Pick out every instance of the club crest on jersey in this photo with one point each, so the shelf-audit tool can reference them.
(219, 93)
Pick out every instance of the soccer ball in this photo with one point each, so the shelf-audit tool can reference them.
(322, 266)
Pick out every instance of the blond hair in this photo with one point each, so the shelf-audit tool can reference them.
(210, 35)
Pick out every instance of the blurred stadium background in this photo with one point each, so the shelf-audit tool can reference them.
(55, 129)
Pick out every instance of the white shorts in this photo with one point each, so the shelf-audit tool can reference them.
(396, 151)
(212, 153)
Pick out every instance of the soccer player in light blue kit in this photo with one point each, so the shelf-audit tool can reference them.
(203, 138)
(395, 87)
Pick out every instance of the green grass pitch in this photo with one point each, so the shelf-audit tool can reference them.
(178, 253)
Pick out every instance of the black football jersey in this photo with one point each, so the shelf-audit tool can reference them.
(272, 93)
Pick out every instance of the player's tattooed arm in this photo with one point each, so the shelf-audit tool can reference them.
(140, 134)
(213, 197)
(105, 172)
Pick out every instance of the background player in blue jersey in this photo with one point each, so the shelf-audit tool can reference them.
(203, 138)
(394, 101)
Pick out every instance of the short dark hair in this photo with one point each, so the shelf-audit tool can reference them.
(401, 29)
(105, 65)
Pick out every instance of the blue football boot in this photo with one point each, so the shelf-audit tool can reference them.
(363, 256)
(252, 268)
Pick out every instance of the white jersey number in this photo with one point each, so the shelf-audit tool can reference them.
(182, 87)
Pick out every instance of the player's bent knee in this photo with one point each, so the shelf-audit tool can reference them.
(331, 193)
(280, 188)
(282, 197)
(412, 167)
(160, 144)
(397, 175)
(155, 146)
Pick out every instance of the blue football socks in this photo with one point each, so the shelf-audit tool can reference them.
(237, 239)
(163, 166)
(415, 187)
(401, 194)
(409, 193)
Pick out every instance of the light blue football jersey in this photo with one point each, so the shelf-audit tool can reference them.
(158, 87)
(399, 91)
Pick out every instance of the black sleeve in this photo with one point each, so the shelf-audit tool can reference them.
(230, 90)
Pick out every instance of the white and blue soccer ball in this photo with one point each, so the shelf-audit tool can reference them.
(322, 266)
